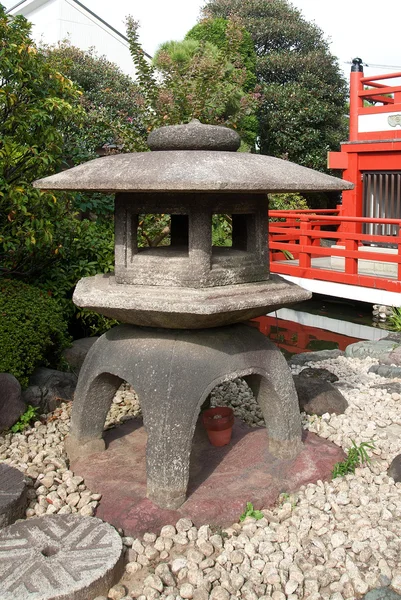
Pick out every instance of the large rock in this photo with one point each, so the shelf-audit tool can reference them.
(76, 354)
(305, 357)
(394, 469)
(387, 351)
(55, 387)
(35, 396)
(383, 593)
(13, 495)
(318, 374)
(318, 396)
(385, 370)
(394, 358)
(379, 349)
(11, 404)
(395, 336)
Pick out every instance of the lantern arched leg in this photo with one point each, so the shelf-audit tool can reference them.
(173, 372)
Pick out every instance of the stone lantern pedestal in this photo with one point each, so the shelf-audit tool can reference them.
(173, 373)
(183, 304)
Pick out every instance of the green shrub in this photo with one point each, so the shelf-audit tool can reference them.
(90, 323)
(33, 330)
(251, 512)
(214, 31)
(26, 419)
(85, 249)
(394, 319)
(287, 201)
(357, 456)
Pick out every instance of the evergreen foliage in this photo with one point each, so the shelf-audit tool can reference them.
(42, 240)
(37, 104)
(304, 94)
(215, 32)
(111, 101)
(195, 80)
(33, 330)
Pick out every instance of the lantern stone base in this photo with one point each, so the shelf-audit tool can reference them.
(221, 481)
(185, 308)
(173, 373)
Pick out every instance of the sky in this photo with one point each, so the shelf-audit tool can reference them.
(365, 28)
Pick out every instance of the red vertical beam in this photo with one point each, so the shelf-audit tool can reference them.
(304, 240)
(351, 264)
(355, 101)
(352, 199)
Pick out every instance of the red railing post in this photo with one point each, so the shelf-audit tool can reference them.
(355, 101)
(316, 241)
(353, 272)
(304, 240)
(351, 264)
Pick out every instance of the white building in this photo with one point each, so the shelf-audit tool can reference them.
(57, 20)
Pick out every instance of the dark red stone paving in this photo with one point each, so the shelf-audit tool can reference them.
(222, 480)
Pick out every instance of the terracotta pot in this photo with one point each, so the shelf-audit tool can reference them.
(219, 430)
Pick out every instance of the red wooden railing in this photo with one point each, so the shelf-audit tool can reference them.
(386, 95)
(297, 235)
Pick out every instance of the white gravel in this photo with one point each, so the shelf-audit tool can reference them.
(39, 453)
(333, 540)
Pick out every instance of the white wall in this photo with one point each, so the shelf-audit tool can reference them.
(56, 20)
(45, 19)
(379, 122)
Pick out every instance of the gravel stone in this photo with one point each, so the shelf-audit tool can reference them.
(187, 591)
(178, 564)
(201, 594)
(151, 553)
(154, 582)
(338, 539)
(205, 547)
(138, 546)
(168, 531)
(204, 532)
(332, 540)
(183, 525)
(163, 571)
(117, 592)
(195, 556)
(219, 593)
(133, 567)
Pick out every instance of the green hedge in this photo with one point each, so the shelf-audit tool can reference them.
(33, 330)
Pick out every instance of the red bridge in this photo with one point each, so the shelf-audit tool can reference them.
(353, 251)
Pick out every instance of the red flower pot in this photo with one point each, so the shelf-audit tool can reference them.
(219, 423)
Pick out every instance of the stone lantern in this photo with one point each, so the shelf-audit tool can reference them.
(183, 305)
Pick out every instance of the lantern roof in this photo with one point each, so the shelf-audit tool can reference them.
(192, 158)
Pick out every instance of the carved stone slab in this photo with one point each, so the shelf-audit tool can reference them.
(59, 557)
(185, 308)
(13, 498)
